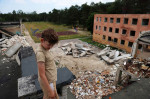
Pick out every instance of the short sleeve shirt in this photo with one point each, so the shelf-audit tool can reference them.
(47, 57)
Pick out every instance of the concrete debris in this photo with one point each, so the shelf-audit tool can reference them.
(9, 42)
(138, 67)
(10, 47)
(94, 85)
(77, 50)
(112, 56)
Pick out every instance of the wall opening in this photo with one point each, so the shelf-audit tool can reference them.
(122, 42)
(0, 35)
(100, 19)
(118, 20)
(96, 18)
(130, 44)
(115, 40)
(111, 20)
(117, 30)
(96, 27)
(145, 21)
(124, 31)
(125, 20)
(140, 46)
(105, 20)
(110, 29)
(105, 28)
(104, 37)
(99, 27)
(134, 21)
(109, 38)
(132, 33)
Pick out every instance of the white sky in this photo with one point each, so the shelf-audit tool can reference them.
(41, 5)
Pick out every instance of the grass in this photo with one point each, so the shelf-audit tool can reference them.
(102, 46)
(58, 28)
(90, 41)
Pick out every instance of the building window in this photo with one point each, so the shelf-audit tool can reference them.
(117, 30)
(145, 21)
(115, 40)
(110, 29)
(96, 27)
(99, 27)
(104, 37)
(134, 21)
(122, 42)
(125, 20)
(105, 20)
(96, 18)
(132, 33)
(130, 44)
(124, 31)
(100, 19)
(109, 38)
(111, 20)
(140, 46)
(105, 28)
(118, 20)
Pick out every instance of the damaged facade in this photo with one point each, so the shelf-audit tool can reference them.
(120, 30)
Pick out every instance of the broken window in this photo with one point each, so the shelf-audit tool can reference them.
(111, 20)
(109, 38)
(100, 19)
(140, 46)
(134, 21)
(145, 21)
(122, 42)
(130, 44)
(104, 37)
(125, 20)
(117, 30)
(99, 27)
(115, 40)
(96, 18)
(105, 20)
(110, 29)
(96, 27)
(105, 28)
(118, 20)
(132, 33)
(124, 31)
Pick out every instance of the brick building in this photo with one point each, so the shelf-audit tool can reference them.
(120, 30)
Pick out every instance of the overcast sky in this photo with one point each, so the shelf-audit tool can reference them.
(41, 5)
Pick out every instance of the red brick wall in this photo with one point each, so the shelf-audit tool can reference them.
(98, 34)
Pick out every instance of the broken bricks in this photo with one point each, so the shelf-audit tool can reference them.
(93, 85)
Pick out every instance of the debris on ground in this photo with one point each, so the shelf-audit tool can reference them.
(94, 85)
(77, 50)
(11, 46)
(112, 56)
(138, 67)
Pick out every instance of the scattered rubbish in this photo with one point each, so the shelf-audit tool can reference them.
(94, 84)
(77, 50)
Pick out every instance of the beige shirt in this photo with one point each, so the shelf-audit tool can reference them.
(50, 68)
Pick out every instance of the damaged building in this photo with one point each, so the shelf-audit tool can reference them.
(120, 30)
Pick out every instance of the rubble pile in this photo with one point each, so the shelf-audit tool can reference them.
(77, 50)
(112, 56)
(94, 85)
(6, 43)
(10, 47)
(138, 67)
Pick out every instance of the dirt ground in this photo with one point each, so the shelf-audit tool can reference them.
(76, 65)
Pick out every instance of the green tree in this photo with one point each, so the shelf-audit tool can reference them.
(90, 22)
